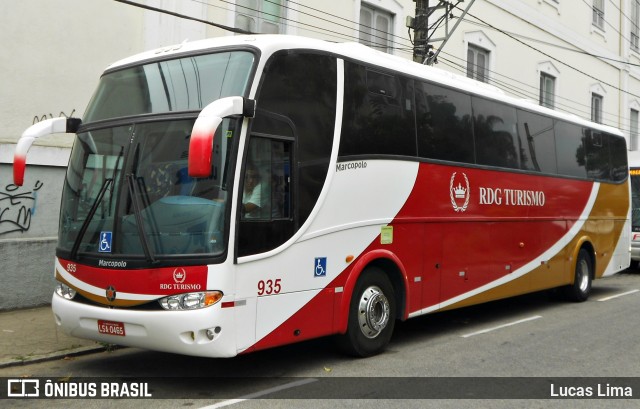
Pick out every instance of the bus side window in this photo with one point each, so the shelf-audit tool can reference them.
(378, 114)
(570, 145)
(444, 124)
(496, 135)
(537, 142)
(618, 155)
(597, 147)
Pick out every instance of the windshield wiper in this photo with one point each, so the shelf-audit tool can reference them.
(92, 212)
(133, 193)
(115, 170)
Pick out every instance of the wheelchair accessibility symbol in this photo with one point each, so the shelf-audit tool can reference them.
(105, 242)
(320, 267)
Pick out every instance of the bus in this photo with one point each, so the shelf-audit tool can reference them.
(634, 177)
(235, 194)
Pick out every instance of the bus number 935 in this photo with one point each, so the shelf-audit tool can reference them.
(269, 287)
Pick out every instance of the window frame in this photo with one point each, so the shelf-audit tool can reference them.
(598, 14)
(547, 98)
(260, 16)
(473, 66)
(634, 128)
(369, 30)
(597, 102)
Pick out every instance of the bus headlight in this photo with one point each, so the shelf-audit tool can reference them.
(190, 301)
(65, 291)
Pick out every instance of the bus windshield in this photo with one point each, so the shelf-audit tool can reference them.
(127, 193)
(184, 84)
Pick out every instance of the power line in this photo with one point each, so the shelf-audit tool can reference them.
(550, 44)
(532, 94)
(515, 90)
(600, 80)
(211, 23)
(395, 44)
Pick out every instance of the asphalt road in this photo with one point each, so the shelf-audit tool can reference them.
(507, 349)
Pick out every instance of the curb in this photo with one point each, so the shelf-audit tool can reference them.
(55, 355)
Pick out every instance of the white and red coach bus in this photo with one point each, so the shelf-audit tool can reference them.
(239, 193)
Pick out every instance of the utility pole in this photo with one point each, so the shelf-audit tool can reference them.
(420, 26)
(423, 32)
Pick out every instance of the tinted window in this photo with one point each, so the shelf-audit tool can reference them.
(495, 132)
(444, 124)
(536, 142)
(183, 84)
(618, 152)
(302, 88)
(570, 149)
(597, 146)
(378, 114)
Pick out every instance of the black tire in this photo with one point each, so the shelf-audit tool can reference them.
(581, 288)
(372, 315)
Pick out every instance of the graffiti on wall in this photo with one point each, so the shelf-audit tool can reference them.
(44, 117)
(17, 205)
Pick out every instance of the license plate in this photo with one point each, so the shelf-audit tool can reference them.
(111, 328)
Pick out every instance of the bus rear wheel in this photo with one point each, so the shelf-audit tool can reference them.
(372, 313)
(581, 288)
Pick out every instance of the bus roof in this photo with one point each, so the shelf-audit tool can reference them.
(268, 44)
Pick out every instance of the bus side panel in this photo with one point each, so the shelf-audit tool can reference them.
(409, 247)
(502, 233)
(610, 232)
(314, 320)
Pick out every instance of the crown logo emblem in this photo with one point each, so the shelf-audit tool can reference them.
(179, 275)
(459, 192)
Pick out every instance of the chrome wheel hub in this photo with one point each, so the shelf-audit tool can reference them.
(584, 276)
(373, 312)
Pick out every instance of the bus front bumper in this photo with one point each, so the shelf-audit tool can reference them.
(202, 332)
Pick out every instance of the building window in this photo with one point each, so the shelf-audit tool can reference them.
(478, 63)
(633, 133)
(598, 14)
(375, 28)
(260, 16)
(547, 90)
(596, 108)
(635, 25)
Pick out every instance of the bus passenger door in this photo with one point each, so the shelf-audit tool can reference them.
(266, 219)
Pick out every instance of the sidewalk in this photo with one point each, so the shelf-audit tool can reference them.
(31, 335)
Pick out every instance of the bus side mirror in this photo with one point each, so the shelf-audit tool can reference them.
(44, 128)
(201, 142)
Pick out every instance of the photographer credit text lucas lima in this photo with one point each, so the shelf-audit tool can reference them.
(600, 390)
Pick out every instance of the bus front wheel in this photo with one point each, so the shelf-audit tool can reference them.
(372, 313)
(581, 288)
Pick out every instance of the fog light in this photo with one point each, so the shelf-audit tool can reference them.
(65, 291)
(190, 301)
(210, 335)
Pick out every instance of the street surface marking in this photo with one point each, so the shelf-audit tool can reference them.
(261, 393)
(484, 331)
(618, 295)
